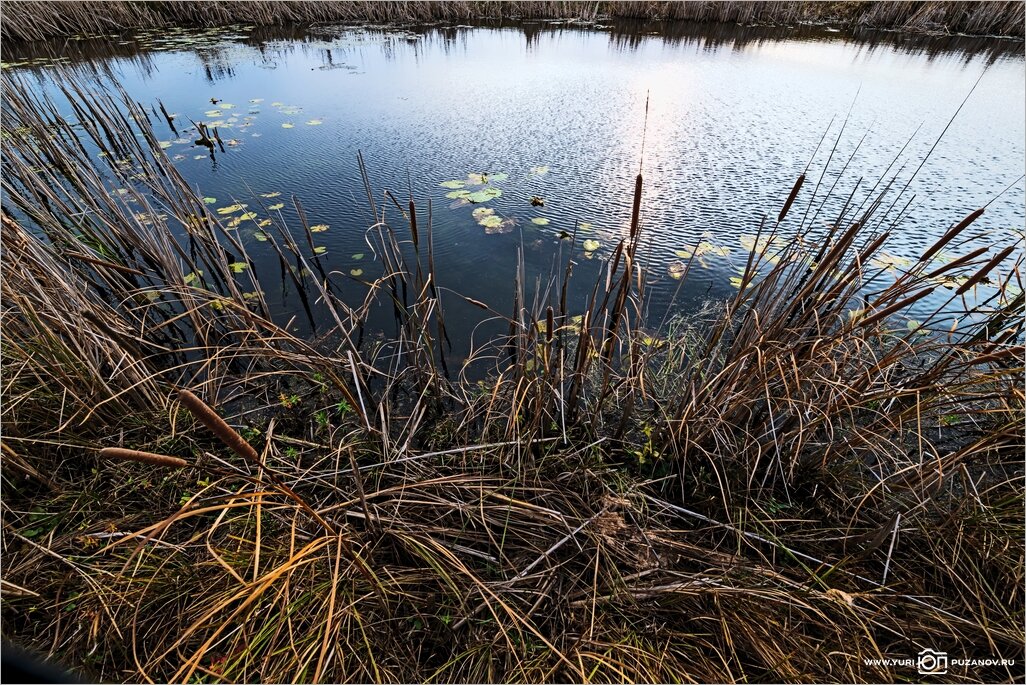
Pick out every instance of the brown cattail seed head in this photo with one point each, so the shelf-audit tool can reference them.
(209, 418)
(145, 457)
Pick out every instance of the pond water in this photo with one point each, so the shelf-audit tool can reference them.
(557, 111)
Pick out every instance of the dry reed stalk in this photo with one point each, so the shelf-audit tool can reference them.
(209, 418)
(144, 457)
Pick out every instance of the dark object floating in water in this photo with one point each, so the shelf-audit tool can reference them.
(214, 101)
(537, 201)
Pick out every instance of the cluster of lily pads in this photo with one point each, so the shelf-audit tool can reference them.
(478, 188)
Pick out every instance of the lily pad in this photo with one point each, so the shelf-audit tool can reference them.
(264, 222)
(540, 221)
(356, 272)
(320, 250)
(314, 122)
(209, 200)
(591, 245)
(497, 178)
(490, 221)
(458, 194)
(260, 236)
(452, 184)
(358, 255)
(190, 278)
(277, 205)
(319, 228)
(270, 195)
(247, 216)
(165, 144)
(482, 212)
(257, 101)
(288, 125)
(238, 267)
(675, 270)
(199, 156)
(213, 114)
(484, 195)
(230, 209)
(584, 226)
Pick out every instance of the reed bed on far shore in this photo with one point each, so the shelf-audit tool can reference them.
(790, 485)
(38, 19)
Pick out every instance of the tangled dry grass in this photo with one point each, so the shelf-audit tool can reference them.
(779, 488)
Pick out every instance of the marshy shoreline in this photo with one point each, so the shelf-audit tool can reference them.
(25, 20)
(790, 484)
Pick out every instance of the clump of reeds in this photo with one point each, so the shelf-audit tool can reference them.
(780, 487)
(38, 19)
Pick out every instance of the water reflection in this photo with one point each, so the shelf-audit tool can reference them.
(624, 35)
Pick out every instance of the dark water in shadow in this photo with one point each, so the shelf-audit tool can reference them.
(734, 114)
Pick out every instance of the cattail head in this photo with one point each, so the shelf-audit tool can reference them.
(209, 418)
(790, 198)
(145, 457)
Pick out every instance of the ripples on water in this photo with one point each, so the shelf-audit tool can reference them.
(733, 115)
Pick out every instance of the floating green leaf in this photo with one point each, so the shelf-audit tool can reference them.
(238, 267)
(540, 221)
(277, 205)
(490, 221)
(676, 270)
(484, 195)
(230, 209)
(584, 226)
(165, 144)
(482, 212)
(452, 184)
(320, 250)
(356, 272)
(256, 101)
(214, 113)
(260, 236)
(264, 222)
(190, 278)
(288, 125)
(497, 178)
(358, 255)
(247, 216)
(458, 194)
(314, 122)
(209, 200)
(318, 228)
(591, 245)
(270, 195)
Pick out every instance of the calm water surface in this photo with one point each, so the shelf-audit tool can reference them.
(734, 115)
